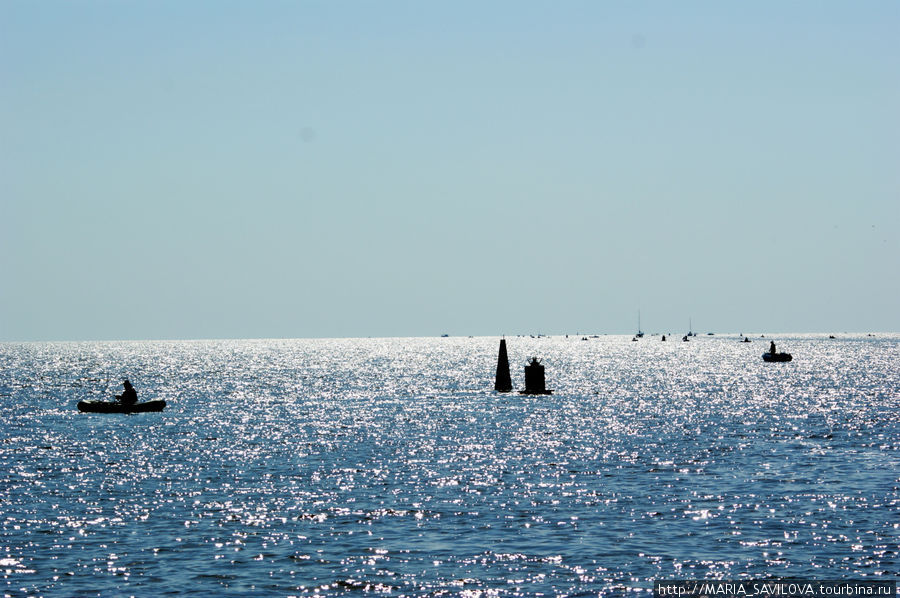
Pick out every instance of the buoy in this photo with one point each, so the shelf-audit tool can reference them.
(535, 383)
(503, 383)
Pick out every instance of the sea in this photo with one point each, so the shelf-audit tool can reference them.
(389, 466)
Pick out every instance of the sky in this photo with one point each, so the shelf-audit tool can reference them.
(219, 169)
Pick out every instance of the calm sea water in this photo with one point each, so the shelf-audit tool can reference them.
(389, 466)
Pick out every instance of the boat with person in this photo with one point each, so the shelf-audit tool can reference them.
(118, 407)
(773, 355)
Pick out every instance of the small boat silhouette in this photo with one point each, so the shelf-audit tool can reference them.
(117, 407)
(777, 357)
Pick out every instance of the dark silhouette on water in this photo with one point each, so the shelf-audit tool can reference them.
(503, 383)
(534, 379)
(124, 403)
(117, 407)
(129, 396)
(774, 355)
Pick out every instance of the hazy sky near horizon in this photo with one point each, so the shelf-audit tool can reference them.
(219, 169)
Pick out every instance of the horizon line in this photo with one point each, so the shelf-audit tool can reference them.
(757, 334)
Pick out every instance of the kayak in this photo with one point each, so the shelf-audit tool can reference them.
(116, 407)
(777, 357)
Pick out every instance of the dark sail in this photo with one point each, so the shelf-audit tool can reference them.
(503, 382)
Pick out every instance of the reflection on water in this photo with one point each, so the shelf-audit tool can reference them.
(389, 465)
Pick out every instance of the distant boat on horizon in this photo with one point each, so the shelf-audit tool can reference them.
(640, 333)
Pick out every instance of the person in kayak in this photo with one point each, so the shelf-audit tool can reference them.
(129, 397)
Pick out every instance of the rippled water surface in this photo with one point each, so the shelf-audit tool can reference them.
(390, 466)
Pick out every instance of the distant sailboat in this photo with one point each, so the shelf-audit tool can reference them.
(640, 333)
(503, 382)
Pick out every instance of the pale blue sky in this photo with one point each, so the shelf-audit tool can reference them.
(293, 169)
